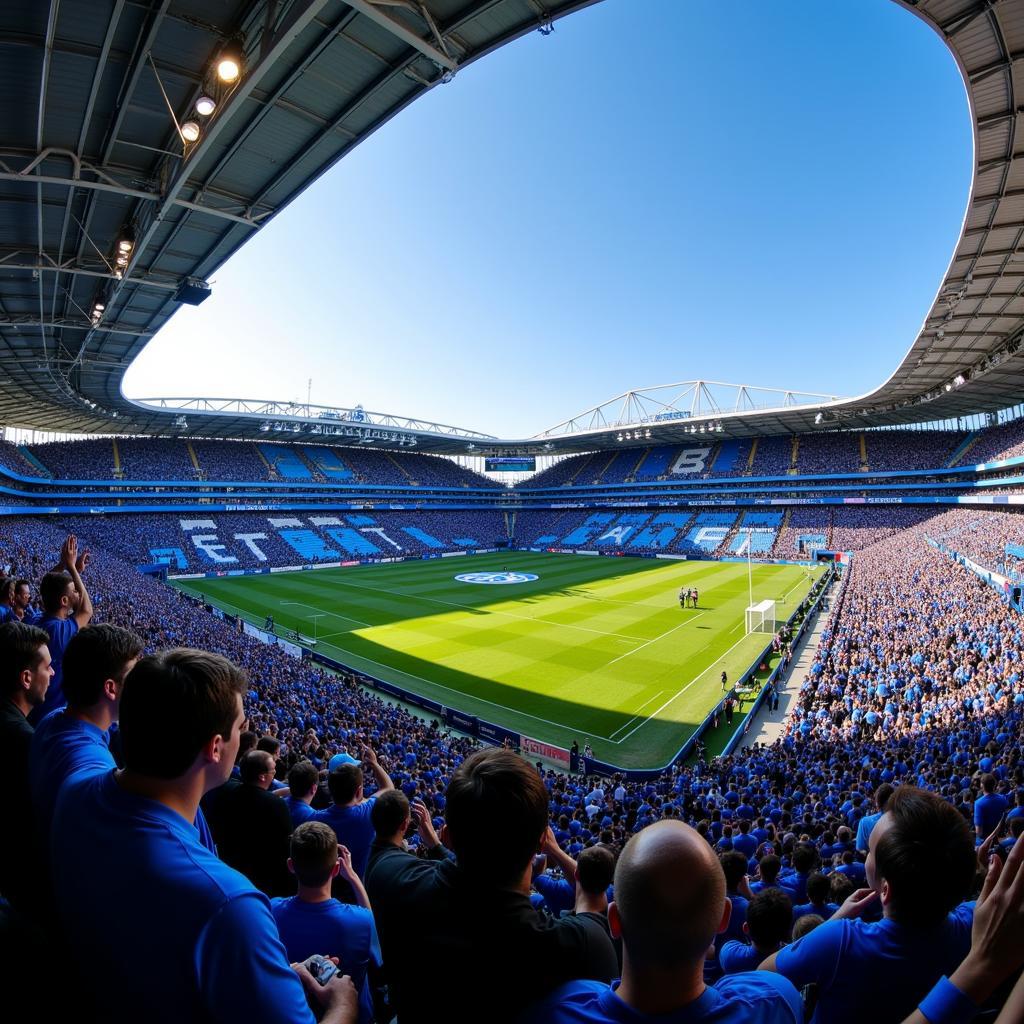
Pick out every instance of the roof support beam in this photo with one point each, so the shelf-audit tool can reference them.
(68, 268)
(132, 193)
(62, 323)
(398, 30)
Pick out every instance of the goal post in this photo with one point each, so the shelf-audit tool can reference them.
(761, 617)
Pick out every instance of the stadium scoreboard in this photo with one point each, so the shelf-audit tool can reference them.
(526, 464)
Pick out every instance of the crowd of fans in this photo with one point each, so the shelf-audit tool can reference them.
(982, 536)
(234, 461)
(1002, 442)
(823, 875)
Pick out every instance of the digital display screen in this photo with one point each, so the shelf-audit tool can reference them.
(526, 464)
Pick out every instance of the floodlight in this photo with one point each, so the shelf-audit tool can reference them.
(229, 63)
(205, 106)
(190, 131)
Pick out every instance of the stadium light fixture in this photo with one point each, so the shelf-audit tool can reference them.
(229, 62)
(126, 242)
(205, 105)
(190, 131)
(618, 437)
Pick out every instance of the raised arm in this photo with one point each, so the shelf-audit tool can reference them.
(75, 563)
(380, 776)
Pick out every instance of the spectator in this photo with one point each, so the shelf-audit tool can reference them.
(768, 924)
(806, 924)
(194, 939)
(25, 672)
(314, 923)
(989, 808)
(768, 868)
(920, 865)
(252, 827)
(272, 746)
(868, 822)
(303, 780)
(349, 816)
(21, 609)
(392, 816)
(995, 956)
(818, 889)
(467, 926)
(74, 740)
(66, 609)
(670, 902)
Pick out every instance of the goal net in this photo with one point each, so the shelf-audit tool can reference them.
(761, 617)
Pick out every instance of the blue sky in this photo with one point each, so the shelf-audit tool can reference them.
(752, 192)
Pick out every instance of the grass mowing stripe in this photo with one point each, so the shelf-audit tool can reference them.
(550, 652)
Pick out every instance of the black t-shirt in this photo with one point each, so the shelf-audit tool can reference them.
(252, 829)
(16, 817)
(457, 950)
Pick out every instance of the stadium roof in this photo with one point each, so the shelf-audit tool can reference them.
(98, 95)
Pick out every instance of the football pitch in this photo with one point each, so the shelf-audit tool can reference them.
(590, 648)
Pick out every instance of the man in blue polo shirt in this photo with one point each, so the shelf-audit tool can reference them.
(67, 608)
(921, 863)
(350, 814)
(194, 940)
(670, 902)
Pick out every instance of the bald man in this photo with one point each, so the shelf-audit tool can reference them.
(670, 902)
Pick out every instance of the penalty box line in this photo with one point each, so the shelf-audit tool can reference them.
(679, 693)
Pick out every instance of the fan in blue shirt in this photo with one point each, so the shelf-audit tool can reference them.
(921, 863)
(989, 808)
(768, 924)
(670, 903)
(868, 822)
(303, 780)
(75, 739)
(312, 922)
(67, 608)
(194, 939)
(350, 814)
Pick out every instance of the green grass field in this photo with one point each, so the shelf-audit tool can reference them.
(595, 648)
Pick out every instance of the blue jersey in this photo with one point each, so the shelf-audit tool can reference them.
(861, 967)
(735, 957)
(864, 827)
(63, 746)
(331, 928)
(60, 632)
(988, 810)
(299, 810)
(760, 998)
(194, 940)
(353, 828)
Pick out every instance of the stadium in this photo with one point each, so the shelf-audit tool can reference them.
(705, 701)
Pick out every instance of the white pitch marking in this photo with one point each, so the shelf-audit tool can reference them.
(661, 636)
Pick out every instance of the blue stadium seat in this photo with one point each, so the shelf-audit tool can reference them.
(309, 545)
(351, 541)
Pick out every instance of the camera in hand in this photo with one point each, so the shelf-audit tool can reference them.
(321, 968)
